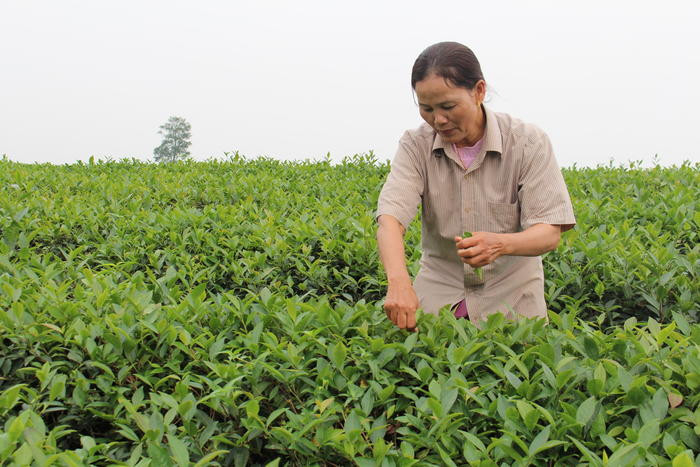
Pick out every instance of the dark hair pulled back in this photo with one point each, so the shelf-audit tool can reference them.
(451, 60)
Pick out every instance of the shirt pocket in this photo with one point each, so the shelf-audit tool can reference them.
(503, 217)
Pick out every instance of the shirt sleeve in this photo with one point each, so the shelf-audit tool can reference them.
(403, 188)
(542, 192)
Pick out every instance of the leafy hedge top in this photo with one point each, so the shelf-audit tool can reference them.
(307, 229)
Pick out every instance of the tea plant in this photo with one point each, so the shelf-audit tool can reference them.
(230, 313)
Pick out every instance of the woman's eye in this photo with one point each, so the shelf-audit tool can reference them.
(448, 107)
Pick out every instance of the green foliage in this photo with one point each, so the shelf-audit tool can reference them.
(479, 272)
(636, 250)
(176, 140)
(230, 313)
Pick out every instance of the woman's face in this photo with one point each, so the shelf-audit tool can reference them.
(454, 112)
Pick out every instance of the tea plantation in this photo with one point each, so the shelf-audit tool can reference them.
(229, 313)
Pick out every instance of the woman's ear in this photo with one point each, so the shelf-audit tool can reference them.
(480, 91)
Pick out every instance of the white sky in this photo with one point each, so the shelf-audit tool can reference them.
(296, 79)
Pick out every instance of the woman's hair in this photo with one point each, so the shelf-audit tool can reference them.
(451, 60)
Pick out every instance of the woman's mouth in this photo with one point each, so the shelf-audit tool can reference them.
(448, 132)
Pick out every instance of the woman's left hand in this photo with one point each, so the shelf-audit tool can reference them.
(480, 249)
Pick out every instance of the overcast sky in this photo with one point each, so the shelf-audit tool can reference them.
(295, 80)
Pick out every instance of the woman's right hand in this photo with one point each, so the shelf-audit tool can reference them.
(401, 304)
(401, 301)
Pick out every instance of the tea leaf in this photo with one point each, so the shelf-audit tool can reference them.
(337, 354)
(683, 460)
(9, 397)
(649, 433)
(585, 411)
(674, 399)
(448, 398)
(539, 441)
(478, 271)
(178, 450)
(159, 455)
(367, 403)
(209, 457)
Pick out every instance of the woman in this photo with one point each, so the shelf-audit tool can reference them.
(472, 170)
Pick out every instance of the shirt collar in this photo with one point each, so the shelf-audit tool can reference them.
(492, 138)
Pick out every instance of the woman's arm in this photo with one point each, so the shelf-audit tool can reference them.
(401, 300)
(391, 249)
(537, 240)
(483, 248)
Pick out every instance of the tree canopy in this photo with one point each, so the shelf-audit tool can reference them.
(176, 140)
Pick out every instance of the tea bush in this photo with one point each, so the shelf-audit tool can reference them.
(230, 313)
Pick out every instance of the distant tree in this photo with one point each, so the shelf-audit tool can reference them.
(176, 140)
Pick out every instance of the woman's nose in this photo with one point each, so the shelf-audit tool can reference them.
(440, 119)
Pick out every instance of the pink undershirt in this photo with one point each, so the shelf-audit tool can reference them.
(467, 154)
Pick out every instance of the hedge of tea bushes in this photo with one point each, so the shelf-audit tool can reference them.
(299, 228)
(636, 250)
(307, 229)
(104, 374)
(230, 312)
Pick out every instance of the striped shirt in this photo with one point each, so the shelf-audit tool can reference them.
(513, 184)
